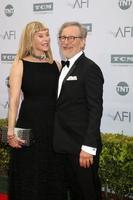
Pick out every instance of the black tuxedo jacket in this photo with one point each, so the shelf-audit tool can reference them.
(79, 108)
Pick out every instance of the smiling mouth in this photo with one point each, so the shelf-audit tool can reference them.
(67, 48)
(45, 45)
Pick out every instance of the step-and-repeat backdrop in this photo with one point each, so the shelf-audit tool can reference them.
(109, 44)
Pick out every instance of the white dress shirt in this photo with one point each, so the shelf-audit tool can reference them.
(65, 70)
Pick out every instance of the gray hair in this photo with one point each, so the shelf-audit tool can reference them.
(83, 29)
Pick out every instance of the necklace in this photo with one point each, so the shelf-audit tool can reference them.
(38, 57)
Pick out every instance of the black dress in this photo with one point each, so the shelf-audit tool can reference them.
(35, 172)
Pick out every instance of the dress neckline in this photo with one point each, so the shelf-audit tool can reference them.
(35, 62)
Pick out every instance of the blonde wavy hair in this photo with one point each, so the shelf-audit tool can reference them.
(25, 44)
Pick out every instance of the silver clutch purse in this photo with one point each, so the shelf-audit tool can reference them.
(22, 133)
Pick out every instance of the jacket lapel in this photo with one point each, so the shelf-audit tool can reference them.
(72, 68)
(70, 72)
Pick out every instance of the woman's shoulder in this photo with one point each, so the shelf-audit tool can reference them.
(17, 68)
(17, 64)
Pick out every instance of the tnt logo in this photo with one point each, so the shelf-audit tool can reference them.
(9, 10)
(125, 4)
(122, 88)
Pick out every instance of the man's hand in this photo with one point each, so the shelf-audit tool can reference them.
(85, 159)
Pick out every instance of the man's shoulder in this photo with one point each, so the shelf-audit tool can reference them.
(90, 66)
(87, 62)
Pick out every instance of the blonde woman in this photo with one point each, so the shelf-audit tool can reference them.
(35, 171)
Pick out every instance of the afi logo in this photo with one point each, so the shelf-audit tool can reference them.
(124, 32)
(81, 4)
(4, 105)
(122, 116)
(125, 4)
(9, 35)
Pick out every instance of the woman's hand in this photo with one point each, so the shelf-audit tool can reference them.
(14, 141)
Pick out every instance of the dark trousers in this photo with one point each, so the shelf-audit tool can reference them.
(82, 183)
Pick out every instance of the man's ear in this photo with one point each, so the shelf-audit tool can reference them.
(83, 43)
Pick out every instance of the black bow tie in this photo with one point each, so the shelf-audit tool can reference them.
(67, 63)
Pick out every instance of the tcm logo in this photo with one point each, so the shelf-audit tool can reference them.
(9, 10)
(81, 4)
(9, 35)
(122, 88)
(39, 7)
(122, 116)
(124, 32)
(121, 59)
(7, 57)
(125, 4)
(88, 27)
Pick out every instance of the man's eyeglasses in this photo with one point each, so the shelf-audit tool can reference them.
(68, 38)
